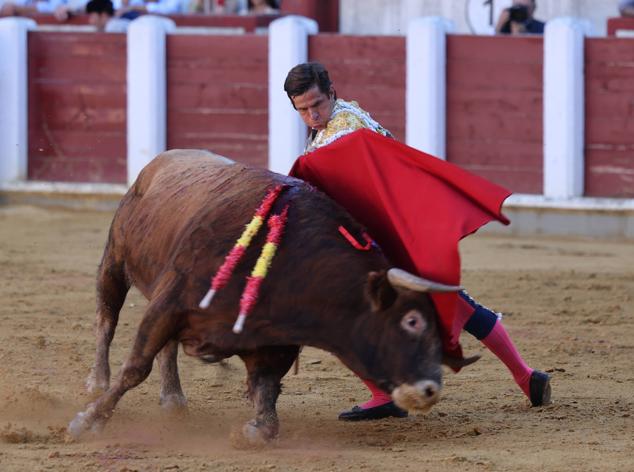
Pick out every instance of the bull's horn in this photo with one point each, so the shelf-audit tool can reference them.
(457, 364)
(401, 278)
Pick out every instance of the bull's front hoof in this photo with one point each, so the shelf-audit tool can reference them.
(83, 424)
(253, 436)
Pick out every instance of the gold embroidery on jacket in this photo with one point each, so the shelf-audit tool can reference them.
(346, 117)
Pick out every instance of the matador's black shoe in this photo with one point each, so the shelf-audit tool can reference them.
(540, 388)
(376, 413)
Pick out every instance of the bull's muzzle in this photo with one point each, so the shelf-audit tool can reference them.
(419, 397)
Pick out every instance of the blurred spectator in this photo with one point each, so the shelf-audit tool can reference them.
(626, 7)
(159, 7)
(518, 19)
(62, 9)
(261, 7)
(198, 6)
(228, 7)
(101, 16)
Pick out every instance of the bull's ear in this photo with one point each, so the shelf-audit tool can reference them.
(380, 292)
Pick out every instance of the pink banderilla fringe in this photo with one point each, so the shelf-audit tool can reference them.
(231, 261)
(226, 269)
(251, 291)
(268, 201)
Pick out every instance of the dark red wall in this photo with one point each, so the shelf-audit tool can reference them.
(620, 23)
(77, 107)
(218, 100)
(368, 69)
(217, 95)
(609, 128)
(494, 109)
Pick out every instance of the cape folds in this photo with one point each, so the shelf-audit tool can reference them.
(417, 207)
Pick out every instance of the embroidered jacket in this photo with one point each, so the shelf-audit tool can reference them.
(346, 117)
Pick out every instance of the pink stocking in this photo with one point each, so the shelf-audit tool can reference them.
(379, 397)
(499, 343)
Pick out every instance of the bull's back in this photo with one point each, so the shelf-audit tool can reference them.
(168, 188)
(176, 200)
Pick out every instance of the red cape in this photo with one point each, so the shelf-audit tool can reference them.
(417, 207)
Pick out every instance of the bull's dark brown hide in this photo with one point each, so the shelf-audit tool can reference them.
(184, 214)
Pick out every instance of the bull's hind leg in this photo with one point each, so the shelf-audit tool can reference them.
(265, 368)
(112, 288)
(156, 329)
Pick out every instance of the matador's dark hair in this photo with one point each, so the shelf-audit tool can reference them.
(303, 77)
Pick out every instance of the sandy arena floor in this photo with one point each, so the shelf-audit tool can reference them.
(569, 305)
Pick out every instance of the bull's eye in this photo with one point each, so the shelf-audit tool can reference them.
(413, 322)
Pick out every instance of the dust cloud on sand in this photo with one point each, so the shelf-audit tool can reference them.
(568, 303)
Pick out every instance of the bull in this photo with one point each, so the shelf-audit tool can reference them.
(172, 231)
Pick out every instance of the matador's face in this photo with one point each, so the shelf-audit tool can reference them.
(315, 107)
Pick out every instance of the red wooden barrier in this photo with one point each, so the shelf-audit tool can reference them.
(609, 128)
(369, 69)
(247, 22)
(218, 100)
(217, 95)
(620, 23)
(77, 107)
(494, 109)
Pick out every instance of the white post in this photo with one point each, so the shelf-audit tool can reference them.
(563, 108)
(146, 80)
(288, 46)
(13, 98)
(426, 84)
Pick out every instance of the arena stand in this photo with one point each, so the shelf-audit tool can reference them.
(238, 23)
